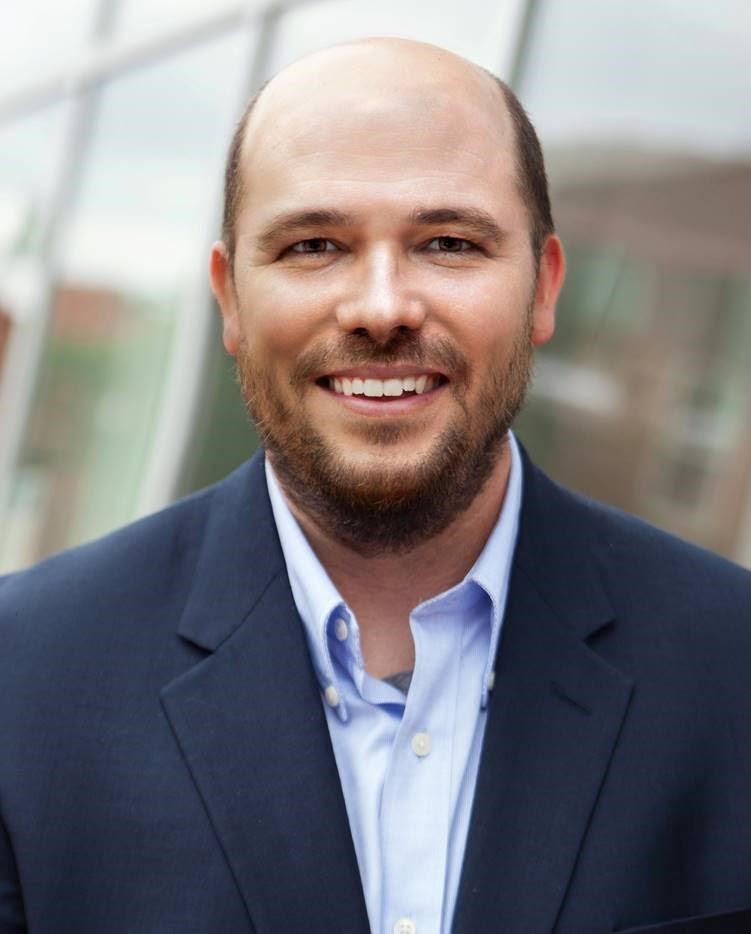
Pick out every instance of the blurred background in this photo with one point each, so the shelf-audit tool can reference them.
(115, 393)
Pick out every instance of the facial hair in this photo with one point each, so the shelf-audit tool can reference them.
(387, 508)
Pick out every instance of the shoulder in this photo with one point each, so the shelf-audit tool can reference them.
(673, 618)
(142, 571)
(573, 527)
(649, 560)
(78, 593)
(665, 596)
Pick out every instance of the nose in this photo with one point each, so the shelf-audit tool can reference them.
(379, 300)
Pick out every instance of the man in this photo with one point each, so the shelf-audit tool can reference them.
(391, 678)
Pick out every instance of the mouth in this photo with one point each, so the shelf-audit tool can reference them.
(390, 387)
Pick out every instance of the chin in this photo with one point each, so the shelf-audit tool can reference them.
(390, 484)
(378, 504)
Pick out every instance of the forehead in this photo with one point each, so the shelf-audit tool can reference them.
(378, 124)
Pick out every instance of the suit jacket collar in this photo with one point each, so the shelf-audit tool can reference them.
(241, 554)
(553, 722)
(239, 558)
(252, 729)
(253, 733)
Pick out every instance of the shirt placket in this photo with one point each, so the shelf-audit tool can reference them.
(416, 803)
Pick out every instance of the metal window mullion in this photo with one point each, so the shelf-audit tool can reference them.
(20, 382)
(524, 39)
(102, 60)
(190, 352)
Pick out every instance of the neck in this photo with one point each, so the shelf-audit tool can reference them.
(383, 590)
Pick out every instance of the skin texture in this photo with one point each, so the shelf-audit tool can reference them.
(412, 257)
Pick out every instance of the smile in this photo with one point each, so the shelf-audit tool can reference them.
(393, 387)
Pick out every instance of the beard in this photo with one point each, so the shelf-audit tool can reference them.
(386, 507)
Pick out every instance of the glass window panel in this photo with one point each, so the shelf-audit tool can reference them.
(31, 151)
(132, 253)
(142, 17)
(31, 158)
(6, 323)
(666, 73)
(38, 36)
(644, 396)
(487, 36)
(223, 435)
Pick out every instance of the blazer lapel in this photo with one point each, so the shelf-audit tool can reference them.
(553, 723)
(252, 730)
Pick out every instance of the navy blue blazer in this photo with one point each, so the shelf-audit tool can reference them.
(165, 764)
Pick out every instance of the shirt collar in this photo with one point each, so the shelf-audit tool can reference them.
(492, 569)
(316, 598)
(318, 601)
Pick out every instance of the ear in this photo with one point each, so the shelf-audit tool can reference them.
(549, 282)
(223, 287)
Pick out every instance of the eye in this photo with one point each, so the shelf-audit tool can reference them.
(449, 244)
(313, 245)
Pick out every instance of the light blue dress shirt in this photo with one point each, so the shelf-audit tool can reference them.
(408, 764)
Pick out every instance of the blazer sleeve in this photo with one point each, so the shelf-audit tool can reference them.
(12, 919)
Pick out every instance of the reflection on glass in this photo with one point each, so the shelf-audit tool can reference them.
(128, 265)
(644, 396)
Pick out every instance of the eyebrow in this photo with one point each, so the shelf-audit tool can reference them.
(284, 224)
(475, 221)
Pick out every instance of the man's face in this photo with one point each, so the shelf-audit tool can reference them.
(385, 302)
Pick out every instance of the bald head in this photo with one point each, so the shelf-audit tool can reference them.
(398, 86)
(365, 76)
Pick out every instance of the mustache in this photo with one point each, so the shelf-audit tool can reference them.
(436, 353)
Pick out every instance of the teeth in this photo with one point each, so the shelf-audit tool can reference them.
(373, 388)
(376, 388)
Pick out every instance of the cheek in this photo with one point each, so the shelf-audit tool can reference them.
(279, 319)
(483, 316)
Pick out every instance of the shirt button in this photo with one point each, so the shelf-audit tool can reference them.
(420, 747)
(405, 926)
(332, 696)
(341, 629)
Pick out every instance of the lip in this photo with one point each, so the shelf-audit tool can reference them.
(394, 407)
(371, 371)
